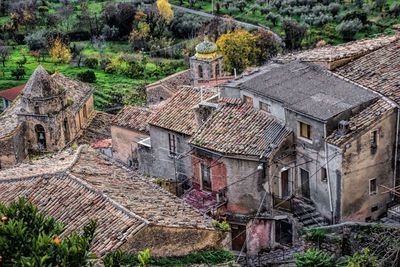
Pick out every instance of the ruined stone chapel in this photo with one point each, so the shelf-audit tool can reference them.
(48, 115)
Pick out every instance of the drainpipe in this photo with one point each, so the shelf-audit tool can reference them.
(396, 150)
(328, 175)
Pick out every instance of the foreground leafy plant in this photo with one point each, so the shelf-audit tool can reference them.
(28, 238)
(315, 258)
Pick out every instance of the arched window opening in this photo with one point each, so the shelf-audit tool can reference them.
(84, 112)
(217, 72)
(200, 72)
(40, 137)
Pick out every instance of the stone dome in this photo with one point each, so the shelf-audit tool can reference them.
(206, 49)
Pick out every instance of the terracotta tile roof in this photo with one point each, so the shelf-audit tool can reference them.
(238, 129)
(106, 143)
(379, 71)
(99, 129)
(350, 49)
(177, 113)
(68, 200)
(135, 118)
(12, 93)
(54, 163)
(74, 187)
(362, 121)
(137, 194)
(173, 83)
(78, 91)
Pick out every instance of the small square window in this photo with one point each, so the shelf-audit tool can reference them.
(305, 130)
(265, 107)
(324, 175)
(373, 187)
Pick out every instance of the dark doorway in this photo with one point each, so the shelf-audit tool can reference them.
(285, 183)
(238, 237)
(40, 137)
(283, 232)
(305, 183)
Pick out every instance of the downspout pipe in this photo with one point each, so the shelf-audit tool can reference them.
(396, 151)
(328, 175)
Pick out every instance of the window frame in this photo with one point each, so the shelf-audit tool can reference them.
(261, 103)
(324, 178)
(309, 131)
(205, 168)
(371, 193)
(374, 137)
(172, 144)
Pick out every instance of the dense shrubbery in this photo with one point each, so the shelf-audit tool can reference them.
(212, 257)
(87, 76)
(27, 238)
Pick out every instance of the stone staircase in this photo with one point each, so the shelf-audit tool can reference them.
(307, 214)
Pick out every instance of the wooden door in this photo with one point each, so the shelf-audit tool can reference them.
(305, 183)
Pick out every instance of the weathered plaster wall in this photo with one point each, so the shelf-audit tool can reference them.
(209, 67)
(173, 241)
(259, 236)
(163, 162)
(124, 143)
(12, 149)
(360, 165)
(245, 185)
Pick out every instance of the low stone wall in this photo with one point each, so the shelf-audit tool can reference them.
(173, 241)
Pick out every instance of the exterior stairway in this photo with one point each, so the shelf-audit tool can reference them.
(307, 215)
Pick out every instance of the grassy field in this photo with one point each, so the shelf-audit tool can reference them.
(107, 85)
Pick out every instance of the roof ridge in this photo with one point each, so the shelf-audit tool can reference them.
(118, 206)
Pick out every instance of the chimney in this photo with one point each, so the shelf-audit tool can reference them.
(396, 29)
(203, 111)
(344, 127)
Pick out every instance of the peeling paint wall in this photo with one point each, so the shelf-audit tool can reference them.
(360, 165)
(259, 233)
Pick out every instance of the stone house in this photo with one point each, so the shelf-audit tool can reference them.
(234, 158)
(167, 87)
(49, 114)
(9, 95)
(315, 103)
(132, 212)
(128, 128)
(372, 64)
(167, 152)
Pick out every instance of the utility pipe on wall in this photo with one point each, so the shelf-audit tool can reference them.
(328, 175)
